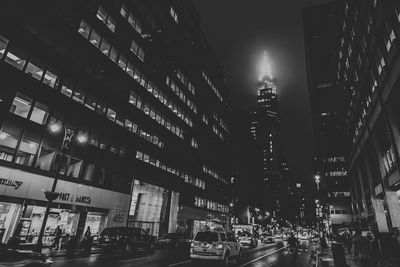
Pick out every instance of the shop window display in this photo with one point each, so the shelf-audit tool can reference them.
(31, 223)
(96, 221)
(8, 216)
(147, 206)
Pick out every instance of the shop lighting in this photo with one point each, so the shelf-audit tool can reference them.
(3, 136)
(55, 127)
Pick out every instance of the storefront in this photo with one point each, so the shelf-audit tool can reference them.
(23, 205)
(153, 208)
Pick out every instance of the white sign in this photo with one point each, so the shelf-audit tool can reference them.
(21, 184)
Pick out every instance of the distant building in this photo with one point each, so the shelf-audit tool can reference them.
(247, 168)
(266, 132)
(328, 111)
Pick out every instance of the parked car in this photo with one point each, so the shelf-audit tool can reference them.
(247, 239)
(11, 257)
(173, 240)
(125, 239)
(266, 238)
(215, 245)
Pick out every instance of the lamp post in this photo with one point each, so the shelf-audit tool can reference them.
(52, 195)
(317, 179)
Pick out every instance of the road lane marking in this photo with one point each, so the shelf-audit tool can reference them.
(179, 263)
(263, 256)
(135, 259)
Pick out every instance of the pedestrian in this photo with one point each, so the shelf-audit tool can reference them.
(324, 244)
(362, 248)
(56, 242)
(88, 233)
(87, 240)
(348, 242)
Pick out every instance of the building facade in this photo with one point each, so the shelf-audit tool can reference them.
(247, 169)
(368, 71)
(144, 98)
(327, 107)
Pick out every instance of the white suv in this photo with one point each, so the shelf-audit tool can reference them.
(215, 245)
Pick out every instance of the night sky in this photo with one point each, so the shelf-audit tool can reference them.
(239, 32)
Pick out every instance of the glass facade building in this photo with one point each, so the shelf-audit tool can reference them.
(134, 81)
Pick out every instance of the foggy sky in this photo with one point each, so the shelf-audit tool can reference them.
(239, 31)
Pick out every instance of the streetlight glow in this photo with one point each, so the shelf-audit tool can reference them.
(82, 138)
(55, 127)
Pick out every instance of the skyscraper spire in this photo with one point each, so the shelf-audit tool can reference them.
(265, 72)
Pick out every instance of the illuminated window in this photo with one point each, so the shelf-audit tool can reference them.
(40, 113)
(16, 58)
(104, 17)
(84, 29)
(3, 45)
(34, 70)
(174, 15)
(50, 79)
(21, 105)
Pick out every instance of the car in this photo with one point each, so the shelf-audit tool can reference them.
(216, 246)
(278, 237)
(248, 240)
(265, 238)
(173, 240)
(12, 257)
(125, 239)
(304, 236)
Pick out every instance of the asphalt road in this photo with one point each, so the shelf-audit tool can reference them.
(263, 255)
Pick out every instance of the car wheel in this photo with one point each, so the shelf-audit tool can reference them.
(226, 261)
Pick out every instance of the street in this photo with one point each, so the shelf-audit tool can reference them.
(263, 255)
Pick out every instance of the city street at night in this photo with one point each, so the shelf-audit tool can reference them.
(200, 133)
(263, 255)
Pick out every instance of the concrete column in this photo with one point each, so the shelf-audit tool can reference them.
(377, 203)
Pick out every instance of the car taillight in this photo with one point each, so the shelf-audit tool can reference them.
(220, 246)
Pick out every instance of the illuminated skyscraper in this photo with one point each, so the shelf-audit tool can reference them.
(266, 133)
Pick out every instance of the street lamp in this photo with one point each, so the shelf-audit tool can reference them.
(317, 179)
(56, 127)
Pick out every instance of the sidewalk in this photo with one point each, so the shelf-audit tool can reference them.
(326, 258)
(63, 252)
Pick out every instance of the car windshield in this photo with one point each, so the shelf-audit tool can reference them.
(208, 237)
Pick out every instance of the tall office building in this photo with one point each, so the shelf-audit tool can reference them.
(247, 168)
(140, 96)
(367, 70)
(327, 107)
(266, 132)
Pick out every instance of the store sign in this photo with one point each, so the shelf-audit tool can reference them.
(26, 185)
(74, 198)
(13, 183)
(117, 218)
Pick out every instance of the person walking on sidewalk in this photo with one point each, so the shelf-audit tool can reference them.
(56, 242)
(362, 249)
(348, 242)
